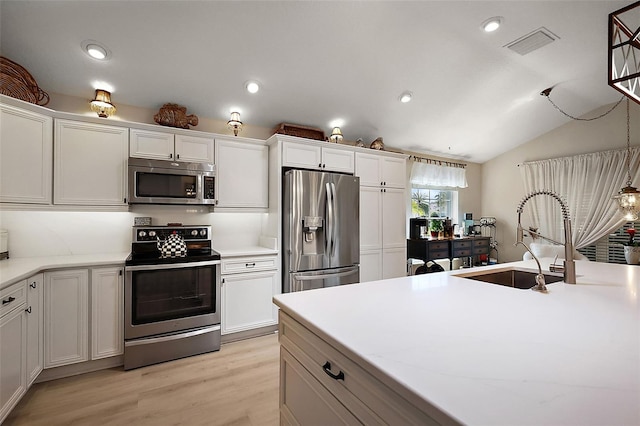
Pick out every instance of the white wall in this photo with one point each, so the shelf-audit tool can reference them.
(502, 186)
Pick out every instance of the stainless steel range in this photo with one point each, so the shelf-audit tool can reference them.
(172, 296)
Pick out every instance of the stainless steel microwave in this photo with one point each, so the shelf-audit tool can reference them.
(171, 182)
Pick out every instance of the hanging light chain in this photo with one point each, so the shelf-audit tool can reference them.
(628, 147)
(547, 92)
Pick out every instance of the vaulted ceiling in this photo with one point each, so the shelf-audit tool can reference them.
(319, 61)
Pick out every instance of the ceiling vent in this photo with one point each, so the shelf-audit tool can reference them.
(532, 41)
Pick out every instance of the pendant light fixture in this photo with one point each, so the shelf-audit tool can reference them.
(101, 104)
(234, 123)
(628, 198)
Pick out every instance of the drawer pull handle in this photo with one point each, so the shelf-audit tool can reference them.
(327, 369)
(9, 300)
(28, 310)
(250, 265)
(33, 285)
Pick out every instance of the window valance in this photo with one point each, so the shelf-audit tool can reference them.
(438, 173)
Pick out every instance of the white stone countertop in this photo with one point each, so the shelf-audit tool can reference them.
(16, 269)
(486, 354)
(244, 251)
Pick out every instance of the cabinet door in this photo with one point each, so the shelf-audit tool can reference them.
(301, 155)
(370, 265)
(90, 164)
(338, 160)
(35, 327)
(304, 400)
(195, 149)
(66, 317)
(246, 301)
(13, 360)
(26, 156)
(152, 145)
(370, 218)
(394, 263)
(242, 174)
(394, 172)
(107, 316)
(369, 169)
(394, 220)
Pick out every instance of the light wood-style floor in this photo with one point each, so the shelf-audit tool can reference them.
(236, 386)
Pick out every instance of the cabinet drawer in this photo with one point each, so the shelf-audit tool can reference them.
(443, 245)
(461, 253)
(13, 297)
(371, 401)
(481, 243)
(247, 264)
(455, 245)
(439, 254)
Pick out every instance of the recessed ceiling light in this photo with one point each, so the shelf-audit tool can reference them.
(96, 50)
(492, 24)
(406, 97)
(252, 86)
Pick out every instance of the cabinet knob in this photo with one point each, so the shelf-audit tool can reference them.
(33, 285)
(28, 310)
(319, 164)
(177, 156)
(170, 155)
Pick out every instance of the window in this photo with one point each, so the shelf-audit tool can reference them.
(608, 248)
(432, 202)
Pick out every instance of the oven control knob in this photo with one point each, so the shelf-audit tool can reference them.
(142, 234)
(152, 233)
(203, 232)
(194, 232)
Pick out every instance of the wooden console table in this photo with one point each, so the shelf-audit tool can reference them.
(447, 248)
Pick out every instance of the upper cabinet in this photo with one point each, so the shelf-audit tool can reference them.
(26, 150)
(170, 146)
(381, 170)
(314, 156)
(242, 173)
(90, 164)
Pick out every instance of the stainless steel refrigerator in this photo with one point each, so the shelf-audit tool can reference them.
(321, 230)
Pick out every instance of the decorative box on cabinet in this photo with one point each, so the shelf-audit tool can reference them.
(90, 164)
(169, 146)
(238, 189)
(26, 156)
(248, 286)
(13, 347)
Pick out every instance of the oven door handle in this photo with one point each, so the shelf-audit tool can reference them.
(171, 266)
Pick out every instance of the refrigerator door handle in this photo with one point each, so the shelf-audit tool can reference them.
(330, 218)
(335, 212)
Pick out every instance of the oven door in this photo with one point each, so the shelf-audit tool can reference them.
(171, 297)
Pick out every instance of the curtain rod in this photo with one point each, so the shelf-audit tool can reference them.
(438, 162)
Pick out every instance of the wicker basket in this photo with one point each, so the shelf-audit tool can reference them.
(15, 81)
(300, 131)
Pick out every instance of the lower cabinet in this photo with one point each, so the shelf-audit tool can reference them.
(248, 286)
(320, 385)
(13, 353)
(382, 264)
(35, 327)
(67, 320)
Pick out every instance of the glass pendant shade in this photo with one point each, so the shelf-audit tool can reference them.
(101, 104)
(336, 135)
(234, 123)
(628, 199)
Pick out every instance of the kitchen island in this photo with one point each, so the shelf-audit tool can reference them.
(445, 349)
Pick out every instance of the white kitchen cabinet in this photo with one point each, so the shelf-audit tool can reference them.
(66, 333)
(382, 233)
(26, 156)
(107, 316)
(13, 355)
(313, 156)
(237, 189)
(381, 170)
(35, 327)
(248, 286)
(169, 146)
(90, 164)
(321, 385)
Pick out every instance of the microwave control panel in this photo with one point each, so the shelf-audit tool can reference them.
(209, 188)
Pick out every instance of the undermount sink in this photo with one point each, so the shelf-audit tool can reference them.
(511, 278)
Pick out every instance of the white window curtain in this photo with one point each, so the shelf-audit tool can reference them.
(429, 174)
(586, 183)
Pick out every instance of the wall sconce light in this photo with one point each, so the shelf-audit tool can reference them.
(336, 135)
(628, 198)
(101, 104)
(234, 123)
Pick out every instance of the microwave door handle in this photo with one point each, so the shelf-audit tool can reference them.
(329, 231)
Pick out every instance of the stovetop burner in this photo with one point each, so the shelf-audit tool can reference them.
(144, 245)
